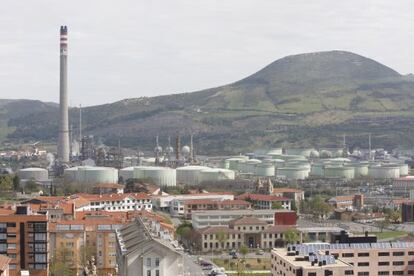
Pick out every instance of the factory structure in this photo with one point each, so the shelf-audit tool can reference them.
(86, 160)
(300, 164)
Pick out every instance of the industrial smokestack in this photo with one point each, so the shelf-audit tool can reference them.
(63, 143)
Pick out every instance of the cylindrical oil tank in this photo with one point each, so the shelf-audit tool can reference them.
(225, 164)
(234, 163)
(318, 169)
(275, 151)
(265, 169)
(332, 171)
(37, 174)
(292, 173)
(250, 166)
(292, 157)
(213, 174)
(299, 151)
(314, 154)
(384, 172)
(189, 175)
(404, 169)
(126, 173)
(360, 169)
(325, 154)
(92, 175)
(162, 176)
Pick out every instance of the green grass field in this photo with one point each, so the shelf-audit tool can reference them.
(250, 263)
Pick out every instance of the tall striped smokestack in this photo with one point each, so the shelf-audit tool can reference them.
(63, 143)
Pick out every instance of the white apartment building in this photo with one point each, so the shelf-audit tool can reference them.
(201, 219)
(115, 202)
(174, 202)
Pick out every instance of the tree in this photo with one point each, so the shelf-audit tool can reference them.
(31, 186)
(318, 207)
(277, 205)
(222, 237)
(394, 216)
(6, 182)
(291, 236)
(293, 206)
(244, 250)
(16, 183)
(383, 223)
(60, 263)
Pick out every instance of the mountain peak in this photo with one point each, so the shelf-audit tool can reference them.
(335, 66)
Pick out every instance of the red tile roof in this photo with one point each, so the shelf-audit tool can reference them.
(217, 229)
(286, 190)
(248, 221)
(260, 197)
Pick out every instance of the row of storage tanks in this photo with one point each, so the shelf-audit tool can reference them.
(163, 176)
(298, 167)
(188, 175)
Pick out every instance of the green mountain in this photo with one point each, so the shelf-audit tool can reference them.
(307, 99)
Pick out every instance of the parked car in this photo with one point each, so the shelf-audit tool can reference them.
(260, 252)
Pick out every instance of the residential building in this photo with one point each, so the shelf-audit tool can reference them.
(108, 188)
(164, 202)
(94, 202)
(116, 202)
(294, 194)
(403, 185)
(260, 201)
(246, 231)
(184, 207)
(141, 252)
(407, 212)
(201, 219)
(348, 202)
(24, 239)
(387, 258)
(82, 239)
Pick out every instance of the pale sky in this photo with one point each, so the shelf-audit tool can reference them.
(130, 48)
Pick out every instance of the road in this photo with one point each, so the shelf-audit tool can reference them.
(190, 267)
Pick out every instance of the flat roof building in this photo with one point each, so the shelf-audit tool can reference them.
(201, 219)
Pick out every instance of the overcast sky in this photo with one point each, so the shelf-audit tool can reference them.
(130, 48)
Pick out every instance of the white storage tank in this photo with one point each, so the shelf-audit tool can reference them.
(384, 171)
(265, 169)
(292, 173)
(325, 154)
(126, 173)
(275, 152)
(234, 163)
(360, 169)
(339, 172)
(189, 175)
(314, 154)
(162, 176)
(404, 169)
(306, 152)
(250, 166)
(93, 175)
(318, 169)
(37, 174)
(213, 174)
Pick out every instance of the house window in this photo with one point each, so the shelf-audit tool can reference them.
(148, 261)
(157, 262)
